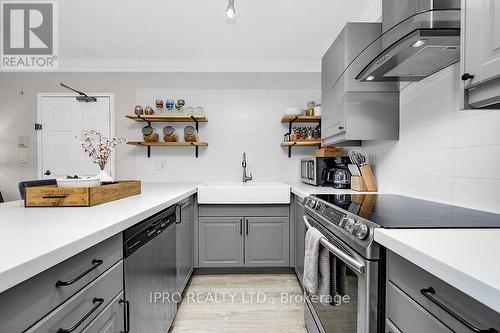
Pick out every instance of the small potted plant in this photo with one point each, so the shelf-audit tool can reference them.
(100, 149)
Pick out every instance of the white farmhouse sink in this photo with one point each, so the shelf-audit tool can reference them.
(243, 193)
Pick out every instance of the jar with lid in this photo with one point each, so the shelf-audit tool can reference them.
(149, 134)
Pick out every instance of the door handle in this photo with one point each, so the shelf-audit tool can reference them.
(47, 173)
(95, 263)
(99, 302)
(346, 258)
(246, 225)
(126, 319)
(241, 226)
(429, 294)
(178, 218)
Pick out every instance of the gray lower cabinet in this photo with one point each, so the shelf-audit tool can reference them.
(220, 242)
(110, 320)
(417, 301)
(267, 242)
(255, 236)
(23, 305)
(78, 311)
(184, 243)
(300, 234)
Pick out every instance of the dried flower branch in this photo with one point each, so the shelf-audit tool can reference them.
(99, 147)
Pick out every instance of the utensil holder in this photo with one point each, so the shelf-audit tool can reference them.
(369, 179)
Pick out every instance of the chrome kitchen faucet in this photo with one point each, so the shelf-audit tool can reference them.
(244, 165)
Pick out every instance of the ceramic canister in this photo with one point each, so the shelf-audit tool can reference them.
(169, 104)
(138, 110)
(180, 104)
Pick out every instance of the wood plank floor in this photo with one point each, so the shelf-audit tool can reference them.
(241, 303)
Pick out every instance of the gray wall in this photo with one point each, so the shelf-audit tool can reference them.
(18, 111)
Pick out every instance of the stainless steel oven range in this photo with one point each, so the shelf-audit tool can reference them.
(348, 223)
(358, 295)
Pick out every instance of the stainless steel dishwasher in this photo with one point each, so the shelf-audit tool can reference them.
(150, 272)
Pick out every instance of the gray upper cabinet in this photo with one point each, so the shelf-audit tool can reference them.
(353, 111)
(267, 242)
(220, 242)
(481, 53)
(184, 243)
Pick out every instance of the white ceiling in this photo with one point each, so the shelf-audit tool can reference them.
(195, 35)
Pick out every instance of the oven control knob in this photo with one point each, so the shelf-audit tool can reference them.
(361, 231)
(349, 225)
(343, 222)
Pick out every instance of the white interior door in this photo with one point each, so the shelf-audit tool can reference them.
(64, 120)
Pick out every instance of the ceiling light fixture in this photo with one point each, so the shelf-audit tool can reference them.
(370, 78)
(230, 10)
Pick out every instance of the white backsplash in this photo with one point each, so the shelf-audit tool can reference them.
(239, 120)
(443, 154)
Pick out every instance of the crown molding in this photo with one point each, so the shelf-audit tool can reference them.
(169, 65)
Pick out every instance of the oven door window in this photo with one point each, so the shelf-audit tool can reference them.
(342, 314)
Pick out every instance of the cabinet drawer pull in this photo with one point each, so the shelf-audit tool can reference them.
(429, 294)
(98, 302)
(467, 76)
(95, 263)
(126, 319)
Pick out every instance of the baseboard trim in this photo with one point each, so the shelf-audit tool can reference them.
(243, 270)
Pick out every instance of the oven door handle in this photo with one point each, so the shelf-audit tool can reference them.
(350, 261)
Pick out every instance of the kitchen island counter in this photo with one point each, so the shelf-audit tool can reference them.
(35, 239)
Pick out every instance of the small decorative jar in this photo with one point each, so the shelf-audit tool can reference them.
(190, 134)
(159, 104)
(138, 110)
(180, 104)
(148, 111)
(169, 134)
(149, 134)
(169, 104)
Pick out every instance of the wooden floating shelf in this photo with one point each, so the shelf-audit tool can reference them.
(158, 118)
(300, 119)
(301, 143)
(168, 144)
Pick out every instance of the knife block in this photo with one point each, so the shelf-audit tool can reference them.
(358, 184)
(365, 183)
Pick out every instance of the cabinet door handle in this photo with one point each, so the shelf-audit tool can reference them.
(467, 76)
(98, 302)
(241, 226)
(429, 294)
(95, 263)
(246, 223)
(126, 319)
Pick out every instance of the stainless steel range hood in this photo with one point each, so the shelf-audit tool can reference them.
(419, 38)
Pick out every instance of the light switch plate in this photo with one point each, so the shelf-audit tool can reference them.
(161, 165)
(23, 157)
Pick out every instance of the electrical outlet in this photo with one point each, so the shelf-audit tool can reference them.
(23, 157)
(161, 165)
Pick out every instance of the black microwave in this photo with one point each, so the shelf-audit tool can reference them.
(314, 170)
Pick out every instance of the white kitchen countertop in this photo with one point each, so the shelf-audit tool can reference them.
(303, 190)
(35, 239)
(464, 258)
